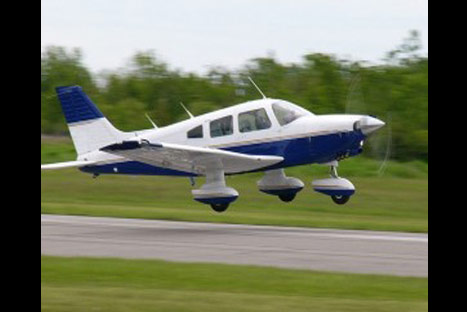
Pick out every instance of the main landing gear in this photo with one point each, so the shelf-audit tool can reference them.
(215, 192)
(340, 190)
(276, 183)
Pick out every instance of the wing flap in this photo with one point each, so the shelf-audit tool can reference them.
(189, 158)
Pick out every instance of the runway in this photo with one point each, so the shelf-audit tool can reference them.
(386, 253)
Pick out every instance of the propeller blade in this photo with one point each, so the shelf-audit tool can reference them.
(384, 164)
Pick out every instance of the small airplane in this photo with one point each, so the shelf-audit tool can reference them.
(266, 135)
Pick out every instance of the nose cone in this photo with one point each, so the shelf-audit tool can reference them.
(369, 125)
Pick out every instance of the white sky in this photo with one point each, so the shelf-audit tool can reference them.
(193, 35)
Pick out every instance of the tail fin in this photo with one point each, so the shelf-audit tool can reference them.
(89, 128)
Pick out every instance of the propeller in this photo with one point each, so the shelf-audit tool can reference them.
(387, 156)
(381, 141)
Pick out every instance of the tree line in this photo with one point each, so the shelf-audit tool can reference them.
(395, 90)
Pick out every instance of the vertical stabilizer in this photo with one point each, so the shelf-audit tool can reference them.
(89, 128)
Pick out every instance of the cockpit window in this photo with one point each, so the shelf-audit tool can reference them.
(286, 113)
(254, 120)
(222, 127)
(196, 133)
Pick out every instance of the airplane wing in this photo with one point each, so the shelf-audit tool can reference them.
(189, 158)
(64, 165)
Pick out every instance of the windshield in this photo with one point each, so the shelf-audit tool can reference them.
(286, 112)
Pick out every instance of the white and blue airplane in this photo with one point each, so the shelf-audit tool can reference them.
(266, 135)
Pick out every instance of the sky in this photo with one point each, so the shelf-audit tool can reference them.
(196, 35)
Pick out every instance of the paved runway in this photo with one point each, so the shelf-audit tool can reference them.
(315, 249)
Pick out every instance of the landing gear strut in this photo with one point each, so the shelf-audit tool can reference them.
(334, 173)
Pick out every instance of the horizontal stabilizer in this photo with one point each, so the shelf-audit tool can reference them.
(65, 165)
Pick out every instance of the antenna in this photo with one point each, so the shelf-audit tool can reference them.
(152, 122)
(187, 111)
(257, 88)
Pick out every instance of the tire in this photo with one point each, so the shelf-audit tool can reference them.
(287, 198)
(340, 200)
(220, 207)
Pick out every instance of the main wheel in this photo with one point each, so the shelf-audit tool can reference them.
(220, 207)
(340, 200)
(287, 198)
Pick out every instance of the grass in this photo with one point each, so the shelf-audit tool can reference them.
(398, 201)
(80, 284)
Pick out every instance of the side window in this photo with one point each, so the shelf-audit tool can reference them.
(196, 133)
(222, 127)
(254, 121)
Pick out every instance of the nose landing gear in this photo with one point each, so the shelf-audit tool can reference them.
(339, 189)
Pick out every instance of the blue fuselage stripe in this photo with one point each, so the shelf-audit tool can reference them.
(296, 152)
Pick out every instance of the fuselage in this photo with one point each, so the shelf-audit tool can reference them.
(263, 127)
